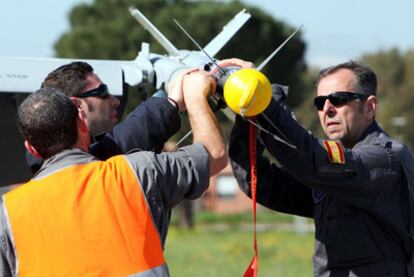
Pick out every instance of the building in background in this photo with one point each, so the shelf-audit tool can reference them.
(224, 196)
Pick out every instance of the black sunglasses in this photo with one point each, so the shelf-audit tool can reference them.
(337, 99)
(101, 91)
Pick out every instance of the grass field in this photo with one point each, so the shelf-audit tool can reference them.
(207, 251)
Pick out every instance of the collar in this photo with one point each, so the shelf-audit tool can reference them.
(370, 134)
(95, 138)
(63, 159)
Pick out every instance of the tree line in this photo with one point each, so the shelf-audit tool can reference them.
(104, 29)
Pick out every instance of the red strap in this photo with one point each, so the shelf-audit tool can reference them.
(252, 270)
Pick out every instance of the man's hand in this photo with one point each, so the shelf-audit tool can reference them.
(236, 62)
(197, 86)
(175, 90)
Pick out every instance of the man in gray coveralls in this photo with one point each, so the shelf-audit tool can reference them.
(81, 216)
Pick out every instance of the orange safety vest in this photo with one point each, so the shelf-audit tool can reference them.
(86, 219)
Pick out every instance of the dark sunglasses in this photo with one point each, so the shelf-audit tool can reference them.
(101, 91)
(337, 99)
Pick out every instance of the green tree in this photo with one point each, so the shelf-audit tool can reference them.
(395, 91)
(305, 112)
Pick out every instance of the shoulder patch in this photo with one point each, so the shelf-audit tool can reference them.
(335, 151)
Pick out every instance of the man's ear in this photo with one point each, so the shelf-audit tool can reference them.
(79, 105)
(82, 129)
(76, 101)
(31, 149)
(81, 122)
(372, 106)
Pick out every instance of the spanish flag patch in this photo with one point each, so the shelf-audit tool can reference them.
(335, 151)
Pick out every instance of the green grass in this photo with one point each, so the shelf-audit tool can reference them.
(208, 252)
(263, 216)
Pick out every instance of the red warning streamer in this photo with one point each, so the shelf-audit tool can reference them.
(252, 270)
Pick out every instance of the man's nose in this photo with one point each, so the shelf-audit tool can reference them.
(328, 107)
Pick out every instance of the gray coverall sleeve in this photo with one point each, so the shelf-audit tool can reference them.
(168, 178)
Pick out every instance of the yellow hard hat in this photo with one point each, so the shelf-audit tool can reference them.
(247, 92)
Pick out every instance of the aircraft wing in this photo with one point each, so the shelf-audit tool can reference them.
(23, 75)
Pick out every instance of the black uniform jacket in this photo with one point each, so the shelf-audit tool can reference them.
(147, 128)
(360, 207)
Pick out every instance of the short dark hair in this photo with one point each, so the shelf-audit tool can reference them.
(69, 78)
(365, 78)
(47, 119)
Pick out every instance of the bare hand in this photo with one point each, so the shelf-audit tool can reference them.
(197, 86)
(236, 62)
(232, 62)
(175, 89)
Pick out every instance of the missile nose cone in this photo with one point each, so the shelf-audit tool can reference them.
(247, 92)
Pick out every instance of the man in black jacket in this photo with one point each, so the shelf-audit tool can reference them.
(147, 127)
(354, 184)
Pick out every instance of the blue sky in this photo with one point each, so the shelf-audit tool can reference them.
(334, 31)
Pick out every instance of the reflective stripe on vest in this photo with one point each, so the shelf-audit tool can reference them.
(89, 219)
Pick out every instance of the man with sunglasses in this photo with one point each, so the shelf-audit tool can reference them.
(355, 184)
(147, 127)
